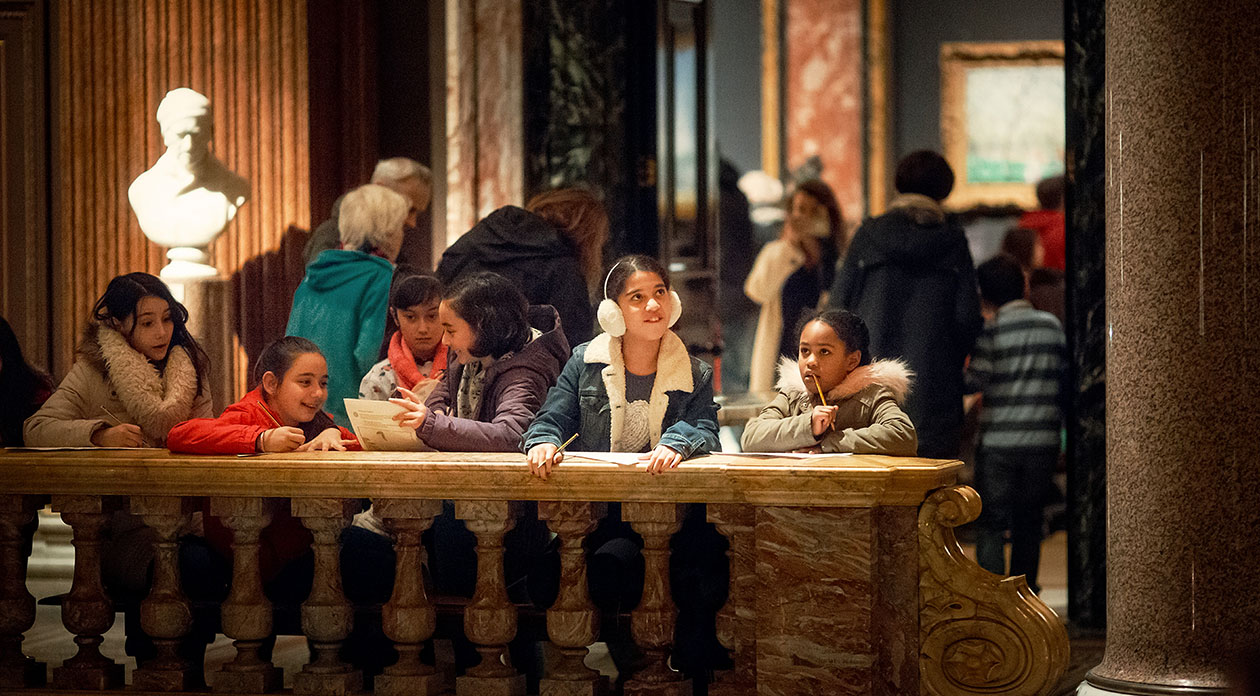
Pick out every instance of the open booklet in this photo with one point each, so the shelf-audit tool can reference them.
(373, 423)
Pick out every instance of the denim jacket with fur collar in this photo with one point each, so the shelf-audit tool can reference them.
(590, 399)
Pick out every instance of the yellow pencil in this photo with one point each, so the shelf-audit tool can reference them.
(566, 444)
(818, 385)
(267, 413)
(118, 421)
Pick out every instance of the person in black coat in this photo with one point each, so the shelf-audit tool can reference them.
(909, 275)
(551, 250)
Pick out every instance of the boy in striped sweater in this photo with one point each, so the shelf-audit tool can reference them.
(1019, 365)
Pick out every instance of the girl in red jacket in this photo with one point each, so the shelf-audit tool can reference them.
(282, 414)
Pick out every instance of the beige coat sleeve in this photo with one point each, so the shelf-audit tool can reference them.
(73, 412)
(778, 429)
(890, 432)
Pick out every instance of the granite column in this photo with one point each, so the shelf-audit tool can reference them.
(1183, 389)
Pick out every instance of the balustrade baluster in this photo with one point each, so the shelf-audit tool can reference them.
(408, 618)
(490, 618)
(86, 611)
(166, 614)
(573, 621)
(652, 622)
(17, 605)
(736, 622)
(326, 614)
(246, 613)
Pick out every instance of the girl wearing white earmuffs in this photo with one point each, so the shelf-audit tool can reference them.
(633, 388)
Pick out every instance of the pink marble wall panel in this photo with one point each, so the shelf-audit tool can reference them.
(461, 123)
(823, 113)
(500, 105)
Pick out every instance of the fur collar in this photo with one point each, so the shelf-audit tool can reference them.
(890, 374)
(156, 399)
(920, 208)
(673, 373)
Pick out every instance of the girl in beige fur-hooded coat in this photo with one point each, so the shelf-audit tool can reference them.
(138, 373)
(863, 412)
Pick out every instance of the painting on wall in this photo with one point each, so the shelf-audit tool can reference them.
(1002, 119)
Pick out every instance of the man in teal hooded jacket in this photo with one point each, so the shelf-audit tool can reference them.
(342, 301)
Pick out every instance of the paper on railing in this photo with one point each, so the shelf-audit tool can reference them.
(618, 458)
(785, 455)
(373, 422)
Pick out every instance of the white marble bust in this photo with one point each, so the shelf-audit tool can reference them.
(188, 197)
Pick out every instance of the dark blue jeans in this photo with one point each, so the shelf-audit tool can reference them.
(1012, 487)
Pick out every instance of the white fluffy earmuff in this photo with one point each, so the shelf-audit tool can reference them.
(611, 320)
(676, 312)
(610, 317)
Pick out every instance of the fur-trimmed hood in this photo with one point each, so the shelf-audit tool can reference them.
(156, 398)
(892, 375)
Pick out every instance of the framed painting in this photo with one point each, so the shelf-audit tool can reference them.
(1002, 119)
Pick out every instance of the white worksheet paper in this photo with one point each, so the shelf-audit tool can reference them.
(373, 422)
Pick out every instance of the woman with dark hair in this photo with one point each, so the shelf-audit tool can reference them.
(790, 275)
(25, 389)
(138, 373)
(508, 354)
(552, 250)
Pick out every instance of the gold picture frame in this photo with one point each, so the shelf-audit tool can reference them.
(999, 152)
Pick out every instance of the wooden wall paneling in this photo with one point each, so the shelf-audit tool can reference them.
(24, 241)
(113, 61)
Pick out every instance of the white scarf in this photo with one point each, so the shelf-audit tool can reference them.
(157, 400)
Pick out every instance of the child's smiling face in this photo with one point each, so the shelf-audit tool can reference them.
(460, 336)
(300, 393)
(823, 359)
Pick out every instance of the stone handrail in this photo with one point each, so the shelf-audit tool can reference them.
(827, 560)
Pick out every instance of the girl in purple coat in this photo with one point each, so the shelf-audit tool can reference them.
(503, 357)
(508, 355)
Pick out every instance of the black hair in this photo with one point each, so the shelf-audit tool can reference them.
(926, 173)
(21, 385)
(1020, 244)
(1050, 192)
(849, 328)
(1044, 276)
(279, 356)
(1001, 280)
(123, 295)
(621, 270)
(495, 309)
(412, 287)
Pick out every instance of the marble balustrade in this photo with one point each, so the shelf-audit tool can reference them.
(845, 577)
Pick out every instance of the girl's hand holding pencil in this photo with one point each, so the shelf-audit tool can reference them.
(118, 435)
(286, 438)
(542, 458)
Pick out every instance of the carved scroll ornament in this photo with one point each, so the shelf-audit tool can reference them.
(979, 633)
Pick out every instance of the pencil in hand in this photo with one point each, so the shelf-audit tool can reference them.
(818, 386)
